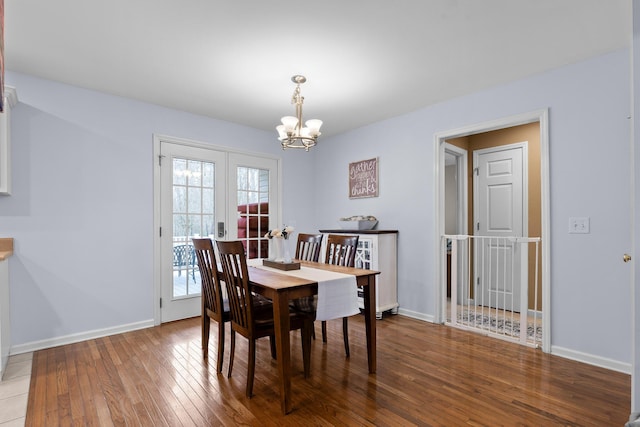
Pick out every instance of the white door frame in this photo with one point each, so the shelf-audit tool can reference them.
(462, 157)
(462, 216)
(541, 116)
(157, 139)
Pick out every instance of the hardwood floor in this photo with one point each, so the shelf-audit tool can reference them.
(428, 375)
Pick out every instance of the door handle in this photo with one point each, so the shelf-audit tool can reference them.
(221, 230)
(626, 258)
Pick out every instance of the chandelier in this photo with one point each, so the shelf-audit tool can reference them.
(291, 133)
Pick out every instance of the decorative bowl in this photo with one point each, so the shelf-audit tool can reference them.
(358, 225)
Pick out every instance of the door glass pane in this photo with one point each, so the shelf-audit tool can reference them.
(193, 216)
(253, 210)
(195, 199)
(207, 200)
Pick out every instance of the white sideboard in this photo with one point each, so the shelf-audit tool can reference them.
(377, 250)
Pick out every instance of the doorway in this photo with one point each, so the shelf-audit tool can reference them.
(205, 191)
(444, 141)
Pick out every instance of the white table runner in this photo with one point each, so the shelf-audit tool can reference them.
(337, 292)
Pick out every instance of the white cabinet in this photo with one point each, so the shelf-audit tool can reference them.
(10, 99)
(377, 250)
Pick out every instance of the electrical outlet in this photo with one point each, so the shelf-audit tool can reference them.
(579, 225)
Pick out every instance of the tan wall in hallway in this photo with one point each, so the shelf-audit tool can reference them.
(530, 133)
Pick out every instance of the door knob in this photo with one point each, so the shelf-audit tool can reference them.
(626, 258)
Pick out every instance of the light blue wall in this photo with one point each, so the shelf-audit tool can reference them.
(81, 211)
(589, 175)
(82, 207)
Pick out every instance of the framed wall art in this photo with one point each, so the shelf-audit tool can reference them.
(363, 179)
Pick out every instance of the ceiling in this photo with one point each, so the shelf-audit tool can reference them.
(364, 61)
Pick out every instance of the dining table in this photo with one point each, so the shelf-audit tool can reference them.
(282, 288)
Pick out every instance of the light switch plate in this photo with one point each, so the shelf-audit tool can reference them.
(579, 225)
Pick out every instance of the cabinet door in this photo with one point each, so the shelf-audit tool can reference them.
(365, 257)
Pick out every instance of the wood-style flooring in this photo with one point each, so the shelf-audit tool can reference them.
(428, 375)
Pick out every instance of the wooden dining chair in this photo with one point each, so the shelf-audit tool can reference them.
(214, 307)
(250, 320)
(307, 249)
(341, 250)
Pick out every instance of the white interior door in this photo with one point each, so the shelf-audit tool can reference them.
(500, 211)
(193, 197)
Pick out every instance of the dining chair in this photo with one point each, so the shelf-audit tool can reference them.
(307, 249)
(250, 320)
(341, 250)
(214, 306)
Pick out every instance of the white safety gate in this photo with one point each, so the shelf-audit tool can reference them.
(489, 284)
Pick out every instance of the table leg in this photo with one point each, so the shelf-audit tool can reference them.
(283, 352)
(370, 321)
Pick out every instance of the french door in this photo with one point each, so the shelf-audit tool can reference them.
(252, 202)
(193, 197)
(206, 192)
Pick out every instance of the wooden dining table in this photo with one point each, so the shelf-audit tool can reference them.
(282, 288)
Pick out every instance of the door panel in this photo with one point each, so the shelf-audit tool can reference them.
(253, 202)
(193, 193)
(499, 214)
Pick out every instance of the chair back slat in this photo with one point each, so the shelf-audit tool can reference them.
(236, 278)
(308, 247)
(341, 250)
(211, 289)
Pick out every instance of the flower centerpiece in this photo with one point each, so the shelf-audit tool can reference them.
(281, 248)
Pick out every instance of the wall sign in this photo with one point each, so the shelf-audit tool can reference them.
(363, 179)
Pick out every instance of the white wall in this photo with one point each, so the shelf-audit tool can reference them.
(589, 174)
(82, 208)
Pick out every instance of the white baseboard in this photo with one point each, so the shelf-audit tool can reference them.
(416, 315)
(590, 359)
(73, 338)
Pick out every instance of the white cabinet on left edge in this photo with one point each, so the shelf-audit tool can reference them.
(10, 99)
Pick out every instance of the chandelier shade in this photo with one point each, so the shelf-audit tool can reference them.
(291, 133)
